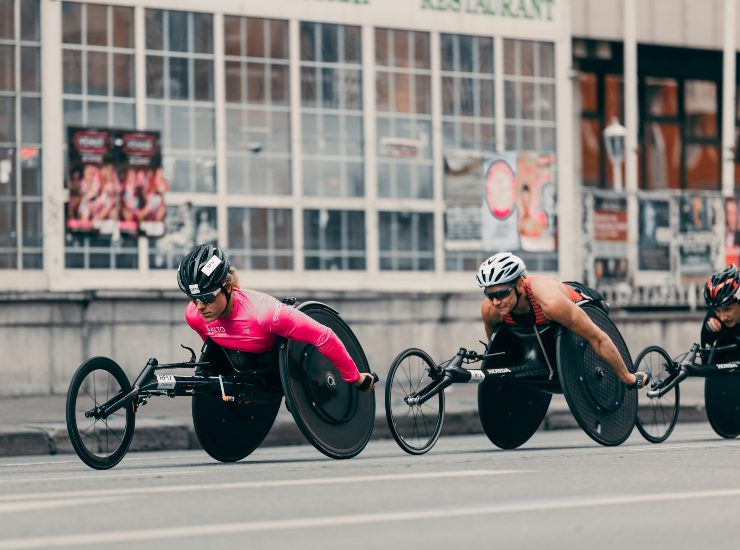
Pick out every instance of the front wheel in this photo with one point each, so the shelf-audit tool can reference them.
(657, 416)
(415, 428)
(101, 443)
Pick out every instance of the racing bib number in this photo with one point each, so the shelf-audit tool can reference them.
(166, 382)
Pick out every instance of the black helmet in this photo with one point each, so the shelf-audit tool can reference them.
(721, 288)
(202, 270)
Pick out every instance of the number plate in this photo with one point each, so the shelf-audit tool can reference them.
(166, 382)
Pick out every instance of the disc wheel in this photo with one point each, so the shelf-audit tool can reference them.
(415, 428)
(657, 416)
(101, 443)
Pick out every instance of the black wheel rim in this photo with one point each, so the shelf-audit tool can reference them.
(657, 416)
(415, 427)
(100, 442)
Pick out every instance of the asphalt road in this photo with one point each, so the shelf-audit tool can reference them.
(560, 490)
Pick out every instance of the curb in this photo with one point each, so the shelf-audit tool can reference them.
(159, 435)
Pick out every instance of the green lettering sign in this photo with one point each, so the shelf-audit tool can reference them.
(516, 9)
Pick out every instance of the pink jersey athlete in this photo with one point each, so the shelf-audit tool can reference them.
(258, 320)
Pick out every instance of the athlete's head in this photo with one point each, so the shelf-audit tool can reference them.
(721, 294)
(206, 276)
(499, 277)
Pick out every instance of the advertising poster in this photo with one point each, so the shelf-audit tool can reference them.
(115, 182)
(609, 239)
(462, 172)
(535, 178)
(695, 260)
(695, 214)
(499, 211)
(654, 250)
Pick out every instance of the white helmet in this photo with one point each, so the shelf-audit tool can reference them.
(500, 268)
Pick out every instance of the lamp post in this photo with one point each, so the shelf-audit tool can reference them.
(614, 136)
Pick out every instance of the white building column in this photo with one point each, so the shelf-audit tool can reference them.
(629, 25)
(569, 221)
(728, 102)
(52, 138)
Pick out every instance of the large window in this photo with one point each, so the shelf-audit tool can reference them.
(406, 241)
(334, 239)
(180, 100)
(98, 65)
(257, 111)
(261, 238)
(331, 110)
(404, 114)
(21, 224)
(467, 92)
(529, 95)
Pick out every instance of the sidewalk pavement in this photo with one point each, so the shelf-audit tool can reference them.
(36, 425)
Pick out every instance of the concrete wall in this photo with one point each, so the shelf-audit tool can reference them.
(45, 338)
(686, 23)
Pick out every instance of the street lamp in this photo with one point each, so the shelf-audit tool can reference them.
(614, 135)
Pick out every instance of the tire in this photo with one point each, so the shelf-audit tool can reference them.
(231, 431)
(100, 443)
(656, 417)
(415, 428)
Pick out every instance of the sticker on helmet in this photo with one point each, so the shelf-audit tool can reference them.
(194, 289)
(211, 265)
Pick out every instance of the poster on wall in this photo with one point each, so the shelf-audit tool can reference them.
(462, 190)
(695, 214)
(609, 239)
(115, 182)
(654, 249)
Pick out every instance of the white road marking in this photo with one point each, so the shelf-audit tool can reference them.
(355, 519)
(179, 488)
(138, 474)
(12, 507)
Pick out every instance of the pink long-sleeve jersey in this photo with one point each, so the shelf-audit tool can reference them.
(259, 319)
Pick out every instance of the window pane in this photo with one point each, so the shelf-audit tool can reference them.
(32, 224)
(8, 224)
(154, 29)
(400, 48)
(97, 113)
(448, 50)
(662, 96)
(31, 120)
(7, 119)
(233, 74)
(485, 56)
(30, 69)
(278, 39)
(7, 68)
(255, 37)
(123, 75)
(308, 41)
(7, 19)
(329, 43)
(123, 27)
(154, 76)
(352, 45)
(30, 18)
(178, 31)
(255, 83)
(203, 79)
(232, 35)
(381, 46)
(179, 78)
(203, 32)
(700, 105)
(614, 90)
(72, 62)
(702, 167)
(97, 73)
(421, 50)
(547, 59)
(590, 152)
(71, 23)
(7, 173)
(663, 153)
(279, 82)
(97, 25)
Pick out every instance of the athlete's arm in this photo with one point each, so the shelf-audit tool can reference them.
(557, 307)
(288, 322)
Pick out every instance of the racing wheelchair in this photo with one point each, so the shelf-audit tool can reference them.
(717, 363)
(235, 398)
(516, 382)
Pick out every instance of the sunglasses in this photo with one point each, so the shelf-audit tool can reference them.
(207, 298)
(498, 294)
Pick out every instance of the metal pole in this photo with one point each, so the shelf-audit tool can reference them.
(630, 142)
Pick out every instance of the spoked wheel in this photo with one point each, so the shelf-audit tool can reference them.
(414, 427)
(101, 443)
(657, 416)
